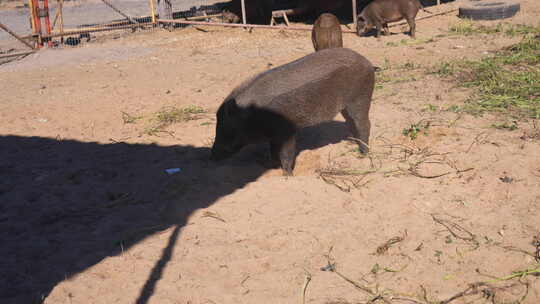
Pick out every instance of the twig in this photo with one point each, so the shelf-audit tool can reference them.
(513, 248)
(332, 182)
(415, 173)
(330, 174)
(213, 215)
(382, 249)
(456, 230)
(332, 268)
(488, 291)
(408, 300)
(536, 244)
(354, 283)
(307, 279)
(477, 140)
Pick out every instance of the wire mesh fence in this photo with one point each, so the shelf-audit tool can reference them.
(13, 43)
(70, 22)
(73, 21)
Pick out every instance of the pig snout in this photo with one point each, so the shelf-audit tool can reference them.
(229, 17)
(360, 27)
(221, 151)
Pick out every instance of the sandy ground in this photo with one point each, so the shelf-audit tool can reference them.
(88, 214)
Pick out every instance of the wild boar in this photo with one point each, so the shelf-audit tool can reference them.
(257, 11)
(379, 13)
(272, 106)
(326, 32)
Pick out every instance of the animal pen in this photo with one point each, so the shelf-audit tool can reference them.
(40, 23)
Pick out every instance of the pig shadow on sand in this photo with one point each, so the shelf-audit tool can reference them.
(66, 205)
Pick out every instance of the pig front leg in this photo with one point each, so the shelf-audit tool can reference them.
(379, 28)
(412, 27)
(357, 119)
(386, 30)
(283, 150)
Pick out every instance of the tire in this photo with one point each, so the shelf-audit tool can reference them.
(488, 9)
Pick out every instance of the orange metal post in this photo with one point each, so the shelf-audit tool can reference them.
(47, 20)
(37, 21)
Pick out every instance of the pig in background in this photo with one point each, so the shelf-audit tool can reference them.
(272, 106)
(379, 13)
(257, 11)
(326, 32)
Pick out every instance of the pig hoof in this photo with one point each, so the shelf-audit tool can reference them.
(287, 173)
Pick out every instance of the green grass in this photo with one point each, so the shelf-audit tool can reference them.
(129, 119)
(416, 129)
(410, 42)
(409, 65)
(464, 27)
(430, 108)
(507, 82)
(171, 115)
(468, 27)
(510, 126)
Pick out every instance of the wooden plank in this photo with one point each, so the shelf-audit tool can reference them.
(16, 54)
(5, 28)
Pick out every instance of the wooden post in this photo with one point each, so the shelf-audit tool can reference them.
(60, 9)
(5, 28)
(354, 14)
(47, 20)
(243, 11)
(32, 19)
(152, 9)
(37, 22)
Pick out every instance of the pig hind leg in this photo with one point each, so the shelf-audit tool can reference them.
(283, 150)
(357, 119)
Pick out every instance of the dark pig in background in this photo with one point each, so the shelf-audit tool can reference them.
(317, 7)
(257, 11)
(272, 106)
(379, 13)
(326, 32)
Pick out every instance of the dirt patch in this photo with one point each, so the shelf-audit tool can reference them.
(90, 215)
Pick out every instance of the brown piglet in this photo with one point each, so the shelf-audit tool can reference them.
(326, 32)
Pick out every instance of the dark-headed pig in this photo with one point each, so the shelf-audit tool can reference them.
(257, 11)
(379, 13)
(272, 106)
(326, 32)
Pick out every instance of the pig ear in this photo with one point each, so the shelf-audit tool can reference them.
(231, 109)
